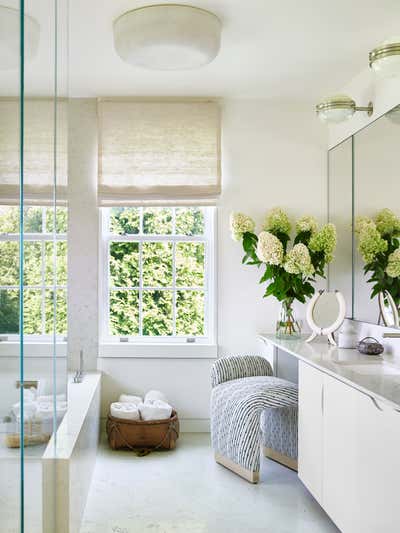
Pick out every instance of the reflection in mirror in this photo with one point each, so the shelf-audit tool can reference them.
(326, 310)
(376, 187)
(340, 209)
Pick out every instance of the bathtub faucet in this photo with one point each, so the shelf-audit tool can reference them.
(79, 373)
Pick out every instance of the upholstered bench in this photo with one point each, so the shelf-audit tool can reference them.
(249, 408)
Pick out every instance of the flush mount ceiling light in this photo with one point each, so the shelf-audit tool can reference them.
(385, 58)
(339, 108)
(10, 37)
(167, 37)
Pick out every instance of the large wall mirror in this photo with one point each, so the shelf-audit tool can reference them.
(363, 180)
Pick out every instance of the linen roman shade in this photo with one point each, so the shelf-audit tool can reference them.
(153, 152)
(45, 151)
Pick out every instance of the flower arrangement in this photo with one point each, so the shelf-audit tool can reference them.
(289, 273)
(379, 246)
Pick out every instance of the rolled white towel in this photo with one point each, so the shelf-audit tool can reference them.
(49, 398)
(153, 395)
(155, 410)
(129, 398)
(29, 409)
(125, 411)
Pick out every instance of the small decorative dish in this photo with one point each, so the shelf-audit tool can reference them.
(370, 346)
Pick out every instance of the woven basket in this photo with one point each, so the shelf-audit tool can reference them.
(143, 436)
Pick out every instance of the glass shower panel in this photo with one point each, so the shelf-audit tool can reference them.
(10, 411)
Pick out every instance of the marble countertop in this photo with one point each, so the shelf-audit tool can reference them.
(371, 375)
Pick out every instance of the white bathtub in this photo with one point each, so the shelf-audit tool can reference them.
(70, 457)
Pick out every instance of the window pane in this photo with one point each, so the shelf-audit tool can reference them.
(157, 313)
(124, 264)
(157, 220)
(124, 313)
(189, 264)
(61, 312)
(189, 221)
(190, 313)
(61, 247)
(61, 220)
(9, 263)
(124, 220)
(32, 263)
(9, 305)
(33, 220)
(9, 219)
(157, 264)
(33, 311)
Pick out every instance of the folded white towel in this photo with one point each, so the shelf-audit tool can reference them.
(126, 411)
(155, 410)
(129, 398)
(153, 395)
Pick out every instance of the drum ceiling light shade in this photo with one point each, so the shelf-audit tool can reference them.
(167, 37)
(9, 38)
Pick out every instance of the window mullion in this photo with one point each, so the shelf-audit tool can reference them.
(174, 274)
(140, 273)
(43, 307)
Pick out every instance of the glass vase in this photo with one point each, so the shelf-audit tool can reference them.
(287, 326)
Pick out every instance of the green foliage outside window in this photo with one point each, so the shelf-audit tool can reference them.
(158, 262)
(39, 256)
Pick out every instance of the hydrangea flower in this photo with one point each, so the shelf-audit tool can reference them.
(370, 243)
(306, 223)
(393, 267)
(324, 241)
(387, 223)
(298, 261)
(269, 249)
(277, 221)
(363, 222)
(240, 223)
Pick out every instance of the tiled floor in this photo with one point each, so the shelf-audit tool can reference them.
(185, 491)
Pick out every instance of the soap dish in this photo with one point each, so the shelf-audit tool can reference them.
(370, 346)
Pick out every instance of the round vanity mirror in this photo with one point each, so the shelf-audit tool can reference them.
(388, 310)
(325, 314)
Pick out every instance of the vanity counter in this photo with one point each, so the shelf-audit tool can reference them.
(369, 374)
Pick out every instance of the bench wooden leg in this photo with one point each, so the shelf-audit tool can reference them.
(279, 458)
(248, 475)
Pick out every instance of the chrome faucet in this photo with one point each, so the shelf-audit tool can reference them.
(79, 373)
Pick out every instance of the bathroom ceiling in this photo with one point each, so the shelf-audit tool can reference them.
(287, 51)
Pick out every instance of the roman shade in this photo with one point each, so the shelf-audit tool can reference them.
(45, 151)
(158, 152)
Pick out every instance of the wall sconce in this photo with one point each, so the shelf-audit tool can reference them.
(339, 108)
(384, 60)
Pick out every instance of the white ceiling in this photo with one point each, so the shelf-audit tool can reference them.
(293, 50)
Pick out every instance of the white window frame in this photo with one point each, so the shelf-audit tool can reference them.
(42, 238)
(209, 288)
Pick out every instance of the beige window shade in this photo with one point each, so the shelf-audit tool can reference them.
(158, 152)
(45, 154)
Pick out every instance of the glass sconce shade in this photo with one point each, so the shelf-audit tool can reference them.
(9, 38)
(336, 108)
(167, 37)
(384, 60)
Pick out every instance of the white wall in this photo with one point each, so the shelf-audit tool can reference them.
(270, 156)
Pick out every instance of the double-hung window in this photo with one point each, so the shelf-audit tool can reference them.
(158, 274)
(45, 272)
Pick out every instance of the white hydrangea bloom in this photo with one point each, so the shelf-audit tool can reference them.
(239, 224)
(307, 223)
(269, 249)
(298, 261)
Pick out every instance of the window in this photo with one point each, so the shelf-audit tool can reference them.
(42, 286)
(158, 274)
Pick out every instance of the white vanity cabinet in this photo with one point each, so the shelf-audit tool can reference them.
(349, 453)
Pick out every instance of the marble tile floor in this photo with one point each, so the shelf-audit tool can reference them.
(185, 491)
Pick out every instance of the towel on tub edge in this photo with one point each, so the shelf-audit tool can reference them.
(155, 410)
(125, 411)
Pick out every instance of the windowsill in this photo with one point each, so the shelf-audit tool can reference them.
(33, 349)
(158, 351)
